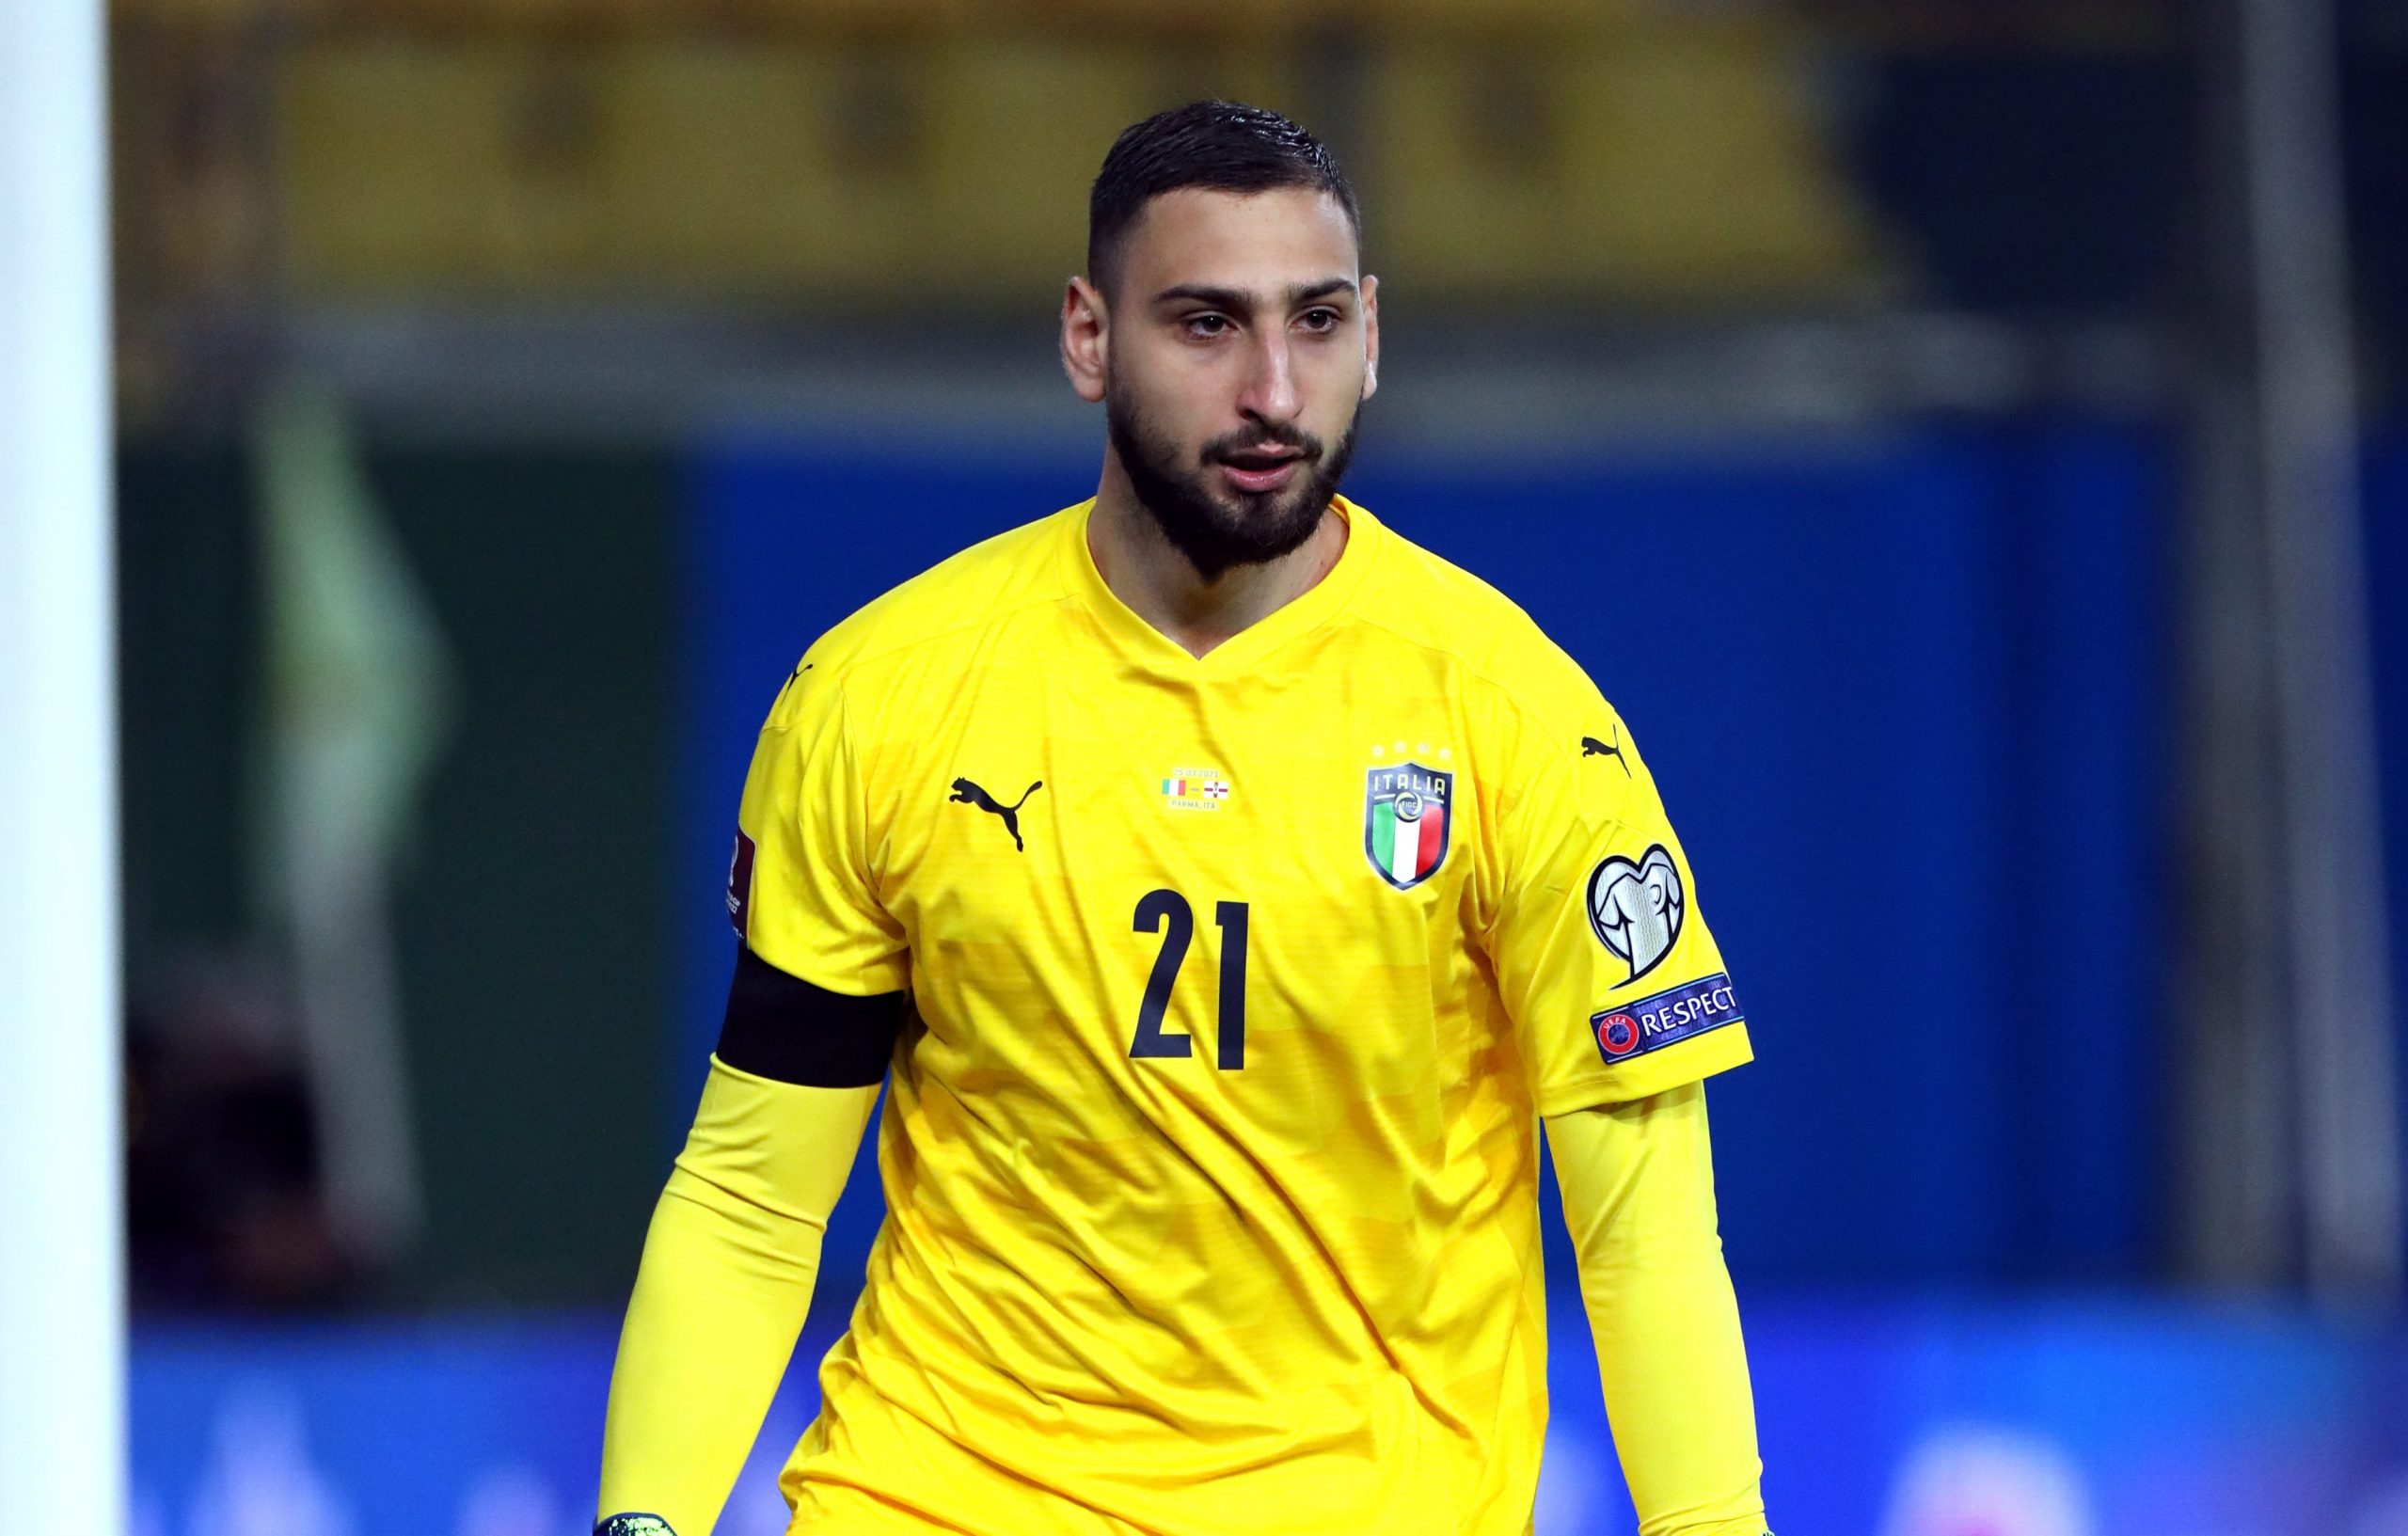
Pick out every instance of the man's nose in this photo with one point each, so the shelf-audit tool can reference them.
(1269, 394)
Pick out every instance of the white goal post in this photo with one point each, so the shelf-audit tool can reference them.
(62, 1349)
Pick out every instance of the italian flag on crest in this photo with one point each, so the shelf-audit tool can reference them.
(1406, 817)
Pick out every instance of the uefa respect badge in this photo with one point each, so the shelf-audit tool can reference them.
(1637, 1028)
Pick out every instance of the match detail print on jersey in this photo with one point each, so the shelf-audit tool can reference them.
(1407, 821)
(1635, 908)
(1195, 789)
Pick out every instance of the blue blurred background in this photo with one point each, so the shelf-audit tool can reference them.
(1896, 407)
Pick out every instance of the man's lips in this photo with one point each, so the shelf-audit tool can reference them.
(1261, 471)
(1274, 474)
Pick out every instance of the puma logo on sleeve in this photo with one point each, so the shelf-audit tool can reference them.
(1592, 747)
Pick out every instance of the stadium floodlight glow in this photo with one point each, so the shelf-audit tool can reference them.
(62, 1371)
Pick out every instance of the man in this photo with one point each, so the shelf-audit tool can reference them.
(1228, 887)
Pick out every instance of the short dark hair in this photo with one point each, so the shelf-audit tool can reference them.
(1219, 145)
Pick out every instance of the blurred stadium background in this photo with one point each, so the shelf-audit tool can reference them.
(1966, 438)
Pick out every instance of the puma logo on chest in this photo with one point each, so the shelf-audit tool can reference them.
(967, 793)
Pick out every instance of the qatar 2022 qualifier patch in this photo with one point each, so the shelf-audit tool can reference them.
(1636, 1028)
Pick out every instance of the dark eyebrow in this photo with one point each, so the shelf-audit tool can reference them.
(1231, 298)
(1305, 292)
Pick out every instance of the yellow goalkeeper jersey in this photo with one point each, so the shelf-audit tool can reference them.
(1236, 984)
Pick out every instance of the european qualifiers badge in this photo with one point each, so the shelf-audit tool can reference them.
(1635, 908)
(739, 886)
(1407, 819)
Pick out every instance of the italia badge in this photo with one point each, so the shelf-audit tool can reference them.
(1407, 816)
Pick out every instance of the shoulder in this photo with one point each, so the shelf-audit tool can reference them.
(1549, 737)
(949, 602)
(1498, 651)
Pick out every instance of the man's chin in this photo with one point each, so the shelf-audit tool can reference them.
(1266, 514)
(1217, 523)
(1242, 512)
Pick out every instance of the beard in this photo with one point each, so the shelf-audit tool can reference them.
(1218, 527)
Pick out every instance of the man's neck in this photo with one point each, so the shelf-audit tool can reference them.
(1160, 584)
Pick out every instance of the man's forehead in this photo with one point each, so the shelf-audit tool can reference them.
(1259, 242)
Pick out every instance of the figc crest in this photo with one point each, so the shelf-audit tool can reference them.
(1408, 817)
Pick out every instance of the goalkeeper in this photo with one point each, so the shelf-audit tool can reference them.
(1228, 891)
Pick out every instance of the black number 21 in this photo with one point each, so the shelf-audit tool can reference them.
(1168, 912)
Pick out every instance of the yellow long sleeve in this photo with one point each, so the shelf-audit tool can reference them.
(728, 1267)
(1638, 1182)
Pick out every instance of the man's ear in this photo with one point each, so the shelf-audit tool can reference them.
(1087, 329)
(1370, 335)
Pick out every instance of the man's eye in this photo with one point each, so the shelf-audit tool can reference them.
(1318, 320)
(1208, 325)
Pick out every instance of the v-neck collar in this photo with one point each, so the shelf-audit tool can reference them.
(1148, 647)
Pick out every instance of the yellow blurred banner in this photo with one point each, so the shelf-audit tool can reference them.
(1673, 158)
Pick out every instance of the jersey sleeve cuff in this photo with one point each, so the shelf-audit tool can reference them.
(1692, 1061)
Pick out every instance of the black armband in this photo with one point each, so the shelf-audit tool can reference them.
(633, 1525)
(786, 1029)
